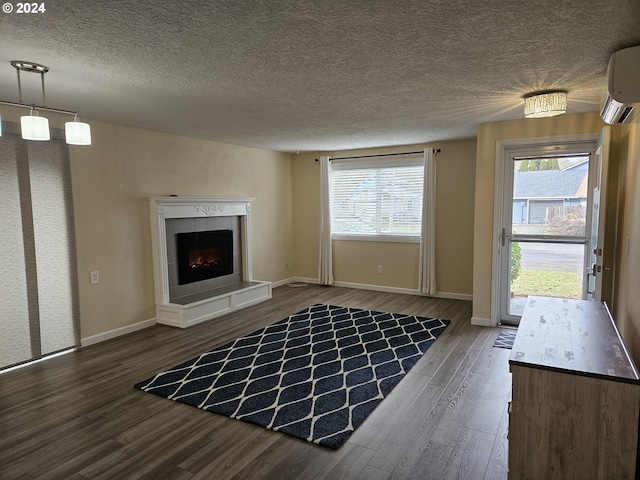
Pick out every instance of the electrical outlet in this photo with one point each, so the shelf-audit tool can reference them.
(95, 278)
(379, 268)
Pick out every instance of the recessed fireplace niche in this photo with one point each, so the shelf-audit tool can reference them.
(202, 258)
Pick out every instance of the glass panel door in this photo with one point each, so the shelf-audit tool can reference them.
(544, 236)
(544, 269)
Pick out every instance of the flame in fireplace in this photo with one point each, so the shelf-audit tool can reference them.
(204, 258)
(200, 263)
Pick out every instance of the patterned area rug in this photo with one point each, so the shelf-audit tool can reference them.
(316, 375)
(505, 339)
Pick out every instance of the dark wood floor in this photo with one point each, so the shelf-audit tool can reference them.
(78, 416)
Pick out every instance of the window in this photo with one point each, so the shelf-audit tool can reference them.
(377, 199)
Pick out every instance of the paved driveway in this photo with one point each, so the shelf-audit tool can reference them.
(553, 256)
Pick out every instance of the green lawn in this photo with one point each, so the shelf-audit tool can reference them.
(547, 283)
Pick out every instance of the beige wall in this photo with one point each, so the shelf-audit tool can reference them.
(306, 215)
(488, 134)
(111, 180)
(626, 306)
(357, 262)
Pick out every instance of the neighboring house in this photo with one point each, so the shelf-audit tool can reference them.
(536, 194)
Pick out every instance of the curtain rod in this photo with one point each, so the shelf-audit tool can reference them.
(435, 150)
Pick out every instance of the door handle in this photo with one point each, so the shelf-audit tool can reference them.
(594, 269)
(591, 272)
(504, 236)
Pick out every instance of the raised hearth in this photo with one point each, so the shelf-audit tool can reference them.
(219, 229)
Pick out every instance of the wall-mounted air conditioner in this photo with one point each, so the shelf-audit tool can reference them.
(623, 85)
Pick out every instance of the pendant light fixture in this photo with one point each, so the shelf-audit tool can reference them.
(35, 127)
(77, 133)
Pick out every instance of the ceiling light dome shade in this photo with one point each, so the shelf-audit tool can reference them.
(35, 128)
(545, 104)
(77, 133)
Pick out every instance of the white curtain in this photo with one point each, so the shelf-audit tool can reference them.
(325, 270)
(427, 267)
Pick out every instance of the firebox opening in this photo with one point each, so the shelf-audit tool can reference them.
(204, 255)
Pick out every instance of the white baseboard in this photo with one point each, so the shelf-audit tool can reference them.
(454, 296)
(118, 332)
(311, 281)
(286, 281)
(377, 288)
(482, 322)
(101, 337)
(279, 283)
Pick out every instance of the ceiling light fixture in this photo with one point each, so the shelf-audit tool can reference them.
(35, 127)
(545, 104)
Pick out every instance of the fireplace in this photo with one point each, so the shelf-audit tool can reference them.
(204, 255)
(201, 250)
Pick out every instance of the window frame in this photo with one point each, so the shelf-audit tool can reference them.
(376, 164)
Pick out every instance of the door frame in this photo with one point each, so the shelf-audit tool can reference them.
(603, 252)
(503, 153)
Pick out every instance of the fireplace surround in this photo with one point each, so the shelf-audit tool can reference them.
(220, 286)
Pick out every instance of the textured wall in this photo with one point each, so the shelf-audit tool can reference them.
(626, 307)
(112, 180)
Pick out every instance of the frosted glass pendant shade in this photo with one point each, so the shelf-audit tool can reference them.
(77, 133)
(35, 128)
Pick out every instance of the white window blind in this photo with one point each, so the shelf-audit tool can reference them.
(377, 198)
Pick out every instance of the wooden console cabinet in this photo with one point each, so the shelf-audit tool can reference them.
(575, 394)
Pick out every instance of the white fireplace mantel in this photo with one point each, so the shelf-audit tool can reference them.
(248, 293)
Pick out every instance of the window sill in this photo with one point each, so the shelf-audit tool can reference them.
(377, 238)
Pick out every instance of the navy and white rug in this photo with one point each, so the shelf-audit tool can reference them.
(505, 339)
(316, 375)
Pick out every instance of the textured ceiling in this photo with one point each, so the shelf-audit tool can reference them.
(315, 75)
